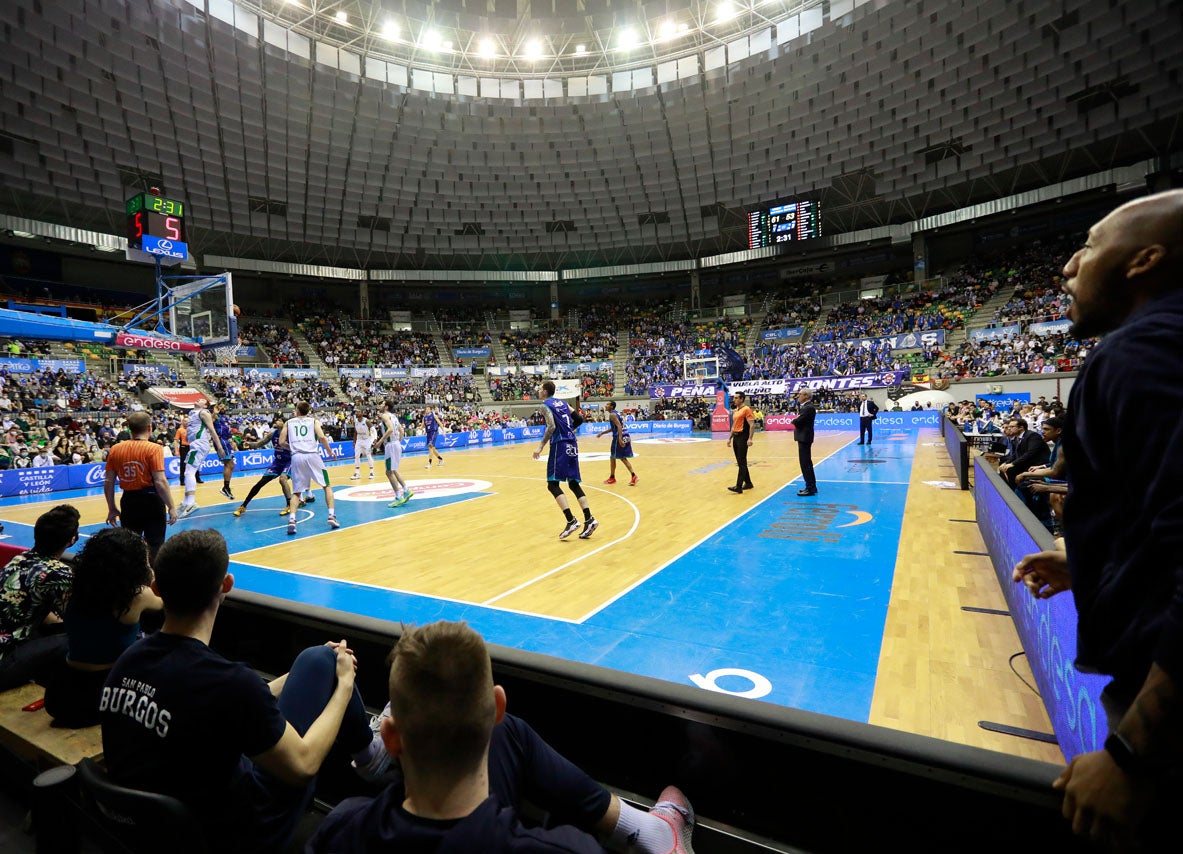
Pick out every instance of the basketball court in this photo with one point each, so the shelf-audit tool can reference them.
(849, 603)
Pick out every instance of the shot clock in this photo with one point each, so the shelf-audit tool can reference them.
(156, 225)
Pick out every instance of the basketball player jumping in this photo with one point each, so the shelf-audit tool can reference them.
(199, 427)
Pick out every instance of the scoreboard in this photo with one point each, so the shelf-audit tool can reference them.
(800, 220)
(156, 225)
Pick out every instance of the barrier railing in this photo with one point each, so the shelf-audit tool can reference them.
(1046, 627)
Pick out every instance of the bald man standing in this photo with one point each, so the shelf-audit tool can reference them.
(1123, 523)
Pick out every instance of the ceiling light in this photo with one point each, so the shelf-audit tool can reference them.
(667, 30)
(342, 18)
(532, 49)
(390, 31)
(628, 38)
(487, 49)
(580, 50)
(725, 11)
(432, 40)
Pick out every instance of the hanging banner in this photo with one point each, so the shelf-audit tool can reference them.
(70, 366)
(793, 385)
(356, 372)
(299, 373)
(904, 340)
(682, 390)
(779, 334)
(261, 373)
(391, 373)
(996, 333)
(1050, 327)
(216, 371)
(470, 352)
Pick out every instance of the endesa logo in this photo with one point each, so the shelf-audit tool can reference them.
(97, 475)
(126, 339)
(784, 420)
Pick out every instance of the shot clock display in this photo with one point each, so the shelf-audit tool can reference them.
(800, 220)
(156, 225)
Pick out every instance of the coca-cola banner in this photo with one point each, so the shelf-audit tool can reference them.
(144, 341)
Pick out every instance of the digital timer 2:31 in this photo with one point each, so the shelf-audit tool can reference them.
(159, 204)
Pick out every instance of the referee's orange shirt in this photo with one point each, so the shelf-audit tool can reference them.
(744, 413)
(133, 462)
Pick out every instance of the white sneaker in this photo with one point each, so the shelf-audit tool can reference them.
(371, 475)
(186, 510)
(333, 523)
(356, 476)
(429, 466)
(441, 461)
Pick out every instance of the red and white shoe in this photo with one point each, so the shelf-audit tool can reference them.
(610, 480)
(674, 809)
(633, 482)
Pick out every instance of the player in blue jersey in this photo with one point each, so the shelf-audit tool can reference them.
(278, 468)
(222, 428)
(431, 426)
(563, 462)
(622, 444)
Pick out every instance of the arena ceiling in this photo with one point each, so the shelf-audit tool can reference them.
(293, 135)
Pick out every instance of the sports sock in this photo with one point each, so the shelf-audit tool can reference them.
(587, 514)
(637, 830)
(570, 516)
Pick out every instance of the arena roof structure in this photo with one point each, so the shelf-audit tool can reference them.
(476, 135)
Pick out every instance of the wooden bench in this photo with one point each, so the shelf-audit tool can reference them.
(30, 736)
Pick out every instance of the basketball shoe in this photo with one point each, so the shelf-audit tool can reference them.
(674, 809)
(571, 528)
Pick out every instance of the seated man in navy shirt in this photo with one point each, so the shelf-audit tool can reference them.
(181, 720)
(466, 765)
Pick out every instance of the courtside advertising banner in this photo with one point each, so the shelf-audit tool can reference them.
(33, 481)
(849, 420)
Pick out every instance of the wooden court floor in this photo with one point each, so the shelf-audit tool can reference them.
(941, 669)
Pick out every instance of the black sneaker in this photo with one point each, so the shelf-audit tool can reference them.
(225, 490)
(571, 528)
(589, 528)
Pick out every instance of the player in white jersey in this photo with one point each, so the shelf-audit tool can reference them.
(303, 435)
(199, 427)
(363, 445)
(391, 438)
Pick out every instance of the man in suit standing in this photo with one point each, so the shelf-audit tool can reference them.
(1028, 450)
(803, 436)
(867, 413)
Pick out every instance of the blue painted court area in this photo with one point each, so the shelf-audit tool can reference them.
(794, 592)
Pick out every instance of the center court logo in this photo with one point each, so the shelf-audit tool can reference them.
(433, 488)
(815, 523)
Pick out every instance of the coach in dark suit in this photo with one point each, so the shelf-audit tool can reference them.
(1028, 450)
(803, 436)
(867, 413)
